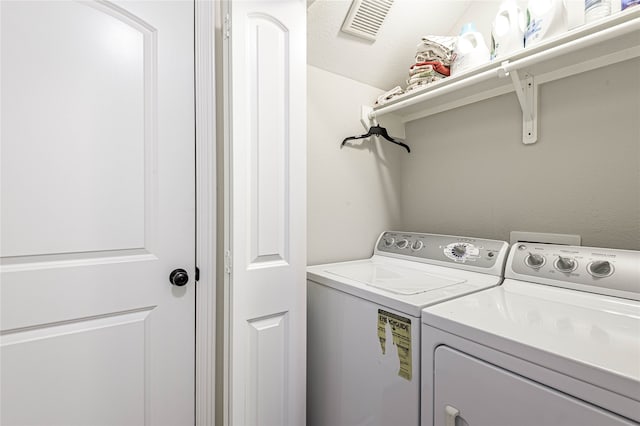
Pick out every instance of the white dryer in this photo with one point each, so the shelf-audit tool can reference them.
(557, 344)
(363, 351)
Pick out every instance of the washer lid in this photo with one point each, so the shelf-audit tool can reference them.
(591, 337)
(399, 284)
(392, 278)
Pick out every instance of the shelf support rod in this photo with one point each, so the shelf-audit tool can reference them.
(367, 117)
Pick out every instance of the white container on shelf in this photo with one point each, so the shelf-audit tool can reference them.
(596, 9)
(545, 19)
(470, 50)
(507, 30)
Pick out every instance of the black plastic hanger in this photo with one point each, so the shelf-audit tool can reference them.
(377, 131)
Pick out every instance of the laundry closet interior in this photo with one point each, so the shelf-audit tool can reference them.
(539, 139)
(320, 212)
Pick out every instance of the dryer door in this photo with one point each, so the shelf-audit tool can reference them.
(472, 392)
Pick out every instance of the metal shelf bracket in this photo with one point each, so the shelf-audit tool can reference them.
(527, 92)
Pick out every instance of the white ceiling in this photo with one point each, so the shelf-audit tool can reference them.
(385, 62)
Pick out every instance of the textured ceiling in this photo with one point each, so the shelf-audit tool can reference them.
(385, 62)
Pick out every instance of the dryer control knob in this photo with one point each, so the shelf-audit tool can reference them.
(402, 244)
(417, 245)
(388, 241)
(565, 264)
(534, 260)
(600, 268)
(459, 250)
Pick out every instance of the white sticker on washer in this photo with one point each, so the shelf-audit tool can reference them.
(401, 333)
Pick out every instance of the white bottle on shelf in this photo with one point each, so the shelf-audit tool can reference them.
(545, 19)
(470, 50)
(507, 31)
(596, 9)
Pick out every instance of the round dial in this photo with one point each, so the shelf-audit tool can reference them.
(388, 241)
(462, 252)
(459, 250)
(600, 268)
(417, 245)
(565, 264)
(402, 244)
(534, 260)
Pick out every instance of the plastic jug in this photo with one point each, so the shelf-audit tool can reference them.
(470, 50)
(507, 31)
(596, 9)
(545, 19)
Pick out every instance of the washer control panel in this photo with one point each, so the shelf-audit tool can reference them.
(481, 254)
(599, 270)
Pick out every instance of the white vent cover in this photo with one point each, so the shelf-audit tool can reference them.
(365, 18)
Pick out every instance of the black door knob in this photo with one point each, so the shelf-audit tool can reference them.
(179, 277)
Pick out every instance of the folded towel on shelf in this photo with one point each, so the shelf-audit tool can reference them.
(436, 48)
(387, 96)
(420, 82)
(434, 55)
(437, 66)
(433, 58)
(430, 75)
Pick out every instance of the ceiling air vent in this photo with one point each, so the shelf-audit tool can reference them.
(366, 17)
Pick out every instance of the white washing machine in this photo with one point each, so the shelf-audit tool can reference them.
(558, 343)
(363, 350)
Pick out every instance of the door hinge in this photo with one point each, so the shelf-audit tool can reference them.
(227, 262)
(197, 274)
(227, 27)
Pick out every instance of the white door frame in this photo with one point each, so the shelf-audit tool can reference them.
(205, 97)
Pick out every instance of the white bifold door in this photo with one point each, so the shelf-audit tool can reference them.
(266, 152)
(97, 194)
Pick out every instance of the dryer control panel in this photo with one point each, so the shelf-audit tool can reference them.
(598, 270)
(468, 253)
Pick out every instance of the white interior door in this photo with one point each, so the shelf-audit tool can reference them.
(268, 213)
(97, 194)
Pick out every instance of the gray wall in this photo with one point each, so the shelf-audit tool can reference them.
(470, 174)
(354, 192)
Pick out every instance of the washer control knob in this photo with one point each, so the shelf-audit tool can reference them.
(565, 264)
(402, 244)
(600, 268)
(534, 260)
(459, 250)
(417, 245)
(388, 241)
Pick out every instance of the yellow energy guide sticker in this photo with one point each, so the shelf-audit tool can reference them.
(401, 333)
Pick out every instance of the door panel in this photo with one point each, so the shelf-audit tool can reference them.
(91, 101)
(268, 44)
(97, 198)
(92, 358)
(268, 349)
(268, 213)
